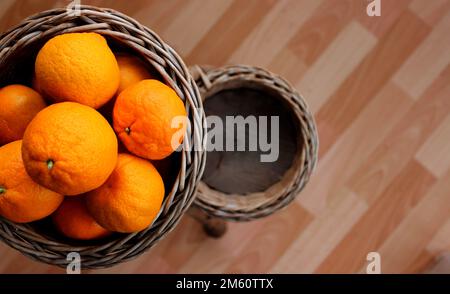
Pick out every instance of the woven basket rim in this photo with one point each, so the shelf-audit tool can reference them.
(155, 52)
(237, 207)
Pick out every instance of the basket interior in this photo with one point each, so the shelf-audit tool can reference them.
(19, 69)
(242, 173)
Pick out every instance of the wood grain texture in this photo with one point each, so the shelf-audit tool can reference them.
(279, 19)
(288, 65)
(380, 220)
(328, 72)
(355, 145)
(320, 29)
(417, 229)
(434, 152)
(327, 229)
(226, 36)
(400, 146)
(380, 88)
(430, 11)
(391, 11)
(195, 25)
(369, 77)
(427, 62)
(440, 242)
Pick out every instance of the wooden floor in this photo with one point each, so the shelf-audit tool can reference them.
(380, 91)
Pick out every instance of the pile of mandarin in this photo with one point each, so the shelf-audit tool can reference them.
(80, 143)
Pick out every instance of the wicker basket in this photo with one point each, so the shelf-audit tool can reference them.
(18, 48)
(249, 206)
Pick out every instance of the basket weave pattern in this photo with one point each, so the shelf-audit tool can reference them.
(256, 205)
(129, 33)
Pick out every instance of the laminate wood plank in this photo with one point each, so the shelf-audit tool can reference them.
(430, 11)
(356, 144)
(441, 241)
(317, 33)
(427, 62)
(272, 240)
(422, 263)
(19, 10)
(288, 65)
(368, 78)
(316, 242)
(376, 225)
(227, 34)
(131, 7)
(158, 17)
(286, 16)
(5, 6)
(193, 25)
(434, 153)
(390, 12)
(375, 173)
(214, 255)
(325, 76)
(417, 229)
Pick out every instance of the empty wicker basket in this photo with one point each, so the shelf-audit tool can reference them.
(235, 186)
(18, 48)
